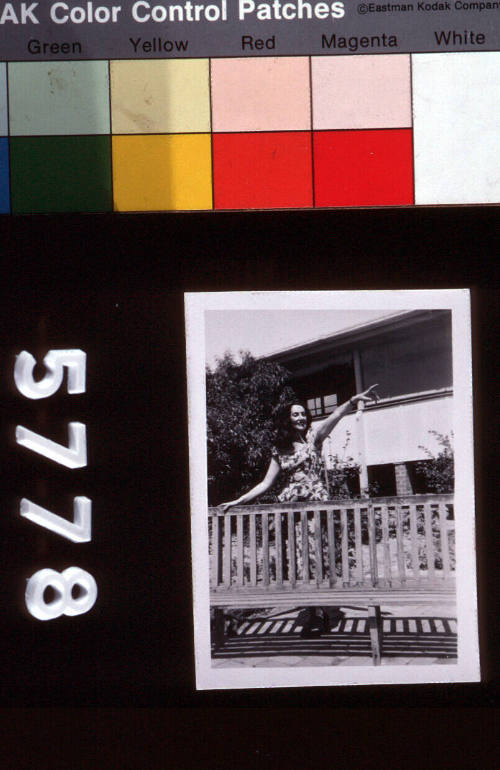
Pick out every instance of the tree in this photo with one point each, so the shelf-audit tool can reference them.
(438, 470)
(241, 398)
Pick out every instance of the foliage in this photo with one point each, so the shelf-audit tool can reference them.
(343, 478)
(438, 470)
(241, 398)
(343, 474)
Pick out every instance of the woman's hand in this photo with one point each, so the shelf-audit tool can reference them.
(326, 426)
(366, 396)
(226, 506)
(259, 489)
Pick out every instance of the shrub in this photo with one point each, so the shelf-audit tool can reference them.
(438, 470)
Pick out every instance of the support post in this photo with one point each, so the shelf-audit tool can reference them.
(363, 470)
(375, 628)
(219, 635)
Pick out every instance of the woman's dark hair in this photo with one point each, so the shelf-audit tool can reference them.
(285, 433)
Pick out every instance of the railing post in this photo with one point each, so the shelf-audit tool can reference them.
(372, 544)
(428, 540)
(305, 547)
(375, 628)
(253, 549)
(239, 550)
(265, 548)
(227, 550)
(445, 548)
(318, 572)
(358, 544)
(216, 551)
(344, 534)
(415, 559)
(385, 544)
(292, 572)
(278, 544)
(400, 544)
(331, 547)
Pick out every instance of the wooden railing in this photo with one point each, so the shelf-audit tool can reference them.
(378, 545)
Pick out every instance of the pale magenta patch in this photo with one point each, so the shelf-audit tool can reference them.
(265, 94)
(361, 91)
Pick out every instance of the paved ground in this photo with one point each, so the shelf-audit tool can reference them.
(413, 635)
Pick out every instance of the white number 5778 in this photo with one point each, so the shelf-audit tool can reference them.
(72, 456)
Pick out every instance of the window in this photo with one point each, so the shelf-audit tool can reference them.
(382, 480)
(435, 480)
(315, 388)
(418, 480)
(322, 405)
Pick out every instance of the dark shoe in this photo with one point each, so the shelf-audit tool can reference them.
(312, 623)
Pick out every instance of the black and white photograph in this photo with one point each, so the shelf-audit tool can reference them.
(332, 487)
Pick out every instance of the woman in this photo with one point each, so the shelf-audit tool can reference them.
(297, 458)
(297, 455)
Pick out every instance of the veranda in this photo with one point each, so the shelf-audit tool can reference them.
(370, 551)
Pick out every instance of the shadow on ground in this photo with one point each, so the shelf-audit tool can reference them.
(413, 637)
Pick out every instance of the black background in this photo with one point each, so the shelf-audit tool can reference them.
(113, 286)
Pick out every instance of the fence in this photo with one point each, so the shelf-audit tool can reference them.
(393, 544)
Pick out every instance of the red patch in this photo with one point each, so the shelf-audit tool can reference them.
(363, 168)
(262, 170)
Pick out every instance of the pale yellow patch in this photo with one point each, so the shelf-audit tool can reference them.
(166, 96)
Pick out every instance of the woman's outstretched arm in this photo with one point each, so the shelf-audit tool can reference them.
(325, 428)
(258, 489)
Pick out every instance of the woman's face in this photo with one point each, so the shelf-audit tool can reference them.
(298, 418)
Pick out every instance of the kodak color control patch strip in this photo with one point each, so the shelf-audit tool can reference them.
(246, 105)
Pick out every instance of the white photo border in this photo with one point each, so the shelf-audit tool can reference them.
(467, 668)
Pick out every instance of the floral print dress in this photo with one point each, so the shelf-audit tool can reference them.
(302, 472)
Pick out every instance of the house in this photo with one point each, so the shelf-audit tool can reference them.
(409, 355)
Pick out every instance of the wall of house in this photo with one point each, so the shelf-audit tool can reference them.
(410, 361)
(393, 434)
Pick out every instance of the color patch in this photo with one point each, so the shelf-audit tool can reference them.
(60, 173)
(455, 104)
(363, 168)
(154, 173)
(4, 114)
(59, 98)
(256, 132)
(154, 97)
(361, 91)
(4, 177)
(268, 94)
(267, 170)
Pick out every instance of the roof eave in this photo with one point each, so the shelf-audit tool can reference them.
(356, 334)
